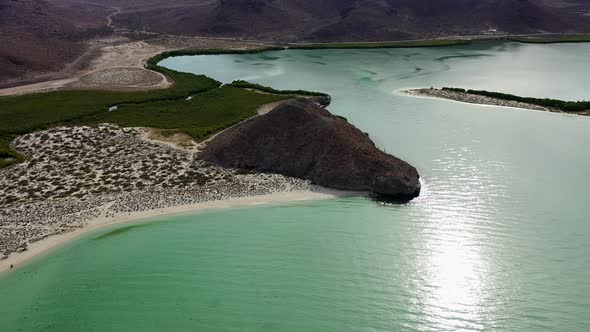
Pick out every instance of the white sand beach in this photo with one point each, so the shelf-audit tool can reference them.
(46, 245)
(79, 179)
(466, 98)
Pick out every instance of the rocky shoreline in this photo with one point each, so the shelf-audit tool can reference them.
(481, 100)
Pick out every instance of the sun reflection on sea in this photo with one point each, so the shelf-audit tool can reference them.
(456, 281)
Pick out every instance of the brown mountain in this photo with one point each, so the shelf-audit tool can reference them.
(39, 36)
(395, 19)
(339, 20)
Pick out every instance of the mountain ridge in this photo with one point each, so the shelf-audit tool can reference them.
(39, 37)
(356, 20)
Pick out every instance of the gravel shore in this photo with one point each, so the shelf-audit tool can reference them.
(481, 100)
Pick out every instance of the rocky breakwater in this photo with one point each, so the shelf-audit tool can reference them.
(301, 139)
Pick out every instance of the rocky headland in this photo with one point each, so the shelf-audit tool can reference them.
(79, 178)
(301, 139)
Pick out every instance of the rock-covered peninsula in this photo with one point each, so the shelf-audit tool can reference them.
(301, 139)
(482, 97)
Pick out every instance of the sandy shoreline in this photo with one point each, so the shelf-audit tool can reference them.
(79, 178)
(436, 94)
(430, 93)
(45, 246)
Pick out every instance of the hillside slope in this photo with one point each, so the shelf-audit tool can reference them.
(351, 20)
(37, 36)
(42, 36)
(301, 139)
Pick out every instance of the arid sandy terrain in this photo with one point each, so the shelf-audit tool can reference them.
(118, 63)
(81, 177)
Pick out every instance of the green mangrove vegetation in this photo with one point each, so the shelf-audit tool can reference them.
(152, 63)
(566, 106)
(398, 44)
(196, 105)
(552, 40)
(253, 86)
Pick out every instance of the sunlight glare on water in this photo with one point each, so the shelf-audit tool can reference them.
(497, 241)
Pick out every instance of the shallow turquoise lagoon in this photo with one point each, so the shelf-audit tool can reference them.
(498, 241)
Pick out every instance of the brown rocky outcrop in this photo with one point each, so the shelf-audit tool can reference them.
(301, 139)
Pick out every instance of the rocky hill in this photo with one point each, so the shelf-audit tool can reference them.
(303, 140)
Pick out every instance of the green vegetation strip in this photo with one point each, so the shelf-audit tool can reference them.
(210, 108)
(400, 44)
(549, 40)
(566, 106)
(266, 89)
(153, 62)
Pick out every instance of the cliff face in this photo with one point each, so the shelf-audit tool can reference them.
(301, 139)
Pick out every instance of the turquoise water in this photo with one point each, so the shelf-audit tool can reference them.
(498, 241)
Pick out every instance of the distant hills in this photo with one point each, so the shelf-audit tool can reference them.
(38, 36)
(357, 20)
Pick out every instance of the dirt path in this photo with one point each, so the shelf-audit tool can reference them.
(110, 17)
(100, 56)
(270, 106)
(118, 63)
